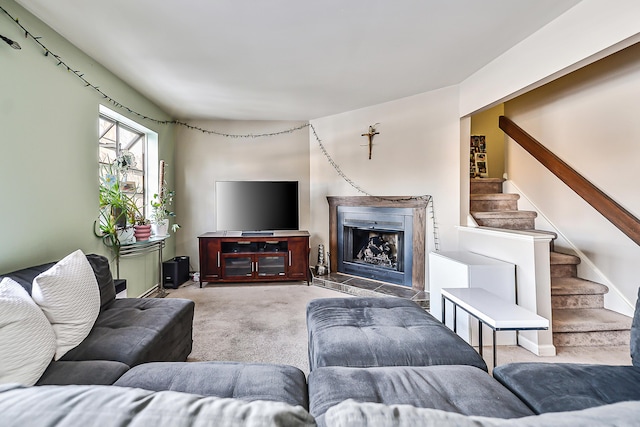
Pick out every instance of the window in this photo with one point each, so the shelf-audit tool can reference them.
(118, 138)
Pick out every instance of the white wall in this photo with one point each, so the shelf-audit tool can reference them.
(588, 31)
(416, 153)
(202, 159)
(590, 120)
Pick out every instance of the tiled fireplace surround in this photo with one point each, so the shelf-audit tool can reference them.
(363, 286)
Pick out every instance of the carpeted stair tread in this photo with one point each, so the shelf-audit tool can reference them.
(485, 185)
(493, 202)
(493, 180)
(494, 196)
(576, 286)
(505, 214)
(506, 219)
(560, 258)
(589, 320)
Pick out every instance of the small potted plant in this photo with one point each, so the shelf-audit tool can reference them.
(142, 228)
(160, 212)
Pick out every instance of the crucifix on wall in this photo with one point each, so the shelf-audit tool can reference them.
(372, 132)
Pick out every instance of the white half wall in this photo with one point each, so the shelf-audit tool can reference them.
(529, 252)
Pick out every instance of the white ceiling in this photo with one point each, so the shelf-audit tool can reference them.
(290, 59)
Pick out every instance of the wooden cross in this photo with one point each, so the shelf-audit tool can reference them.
(372, 132)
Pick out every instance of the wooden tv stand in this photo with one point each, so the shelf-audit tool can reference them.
(231, 256)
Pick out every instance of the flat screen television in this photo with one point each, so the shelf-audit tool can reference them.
(256, 206)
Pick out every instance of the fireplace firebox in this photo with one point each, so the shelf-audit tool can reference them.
(376, 243)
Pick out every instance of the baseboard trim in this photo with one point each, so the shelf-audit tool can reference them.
(149, 292)
(538, 350)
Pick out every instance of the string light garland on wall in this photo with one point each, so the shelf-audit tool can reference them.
(88, 84)
(10, 42)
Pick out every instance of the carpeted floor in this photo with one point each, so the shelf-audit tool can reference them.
(251, 323)
(266, 323)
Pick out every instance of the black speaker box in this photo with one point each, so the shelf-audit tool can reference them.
(175, 272)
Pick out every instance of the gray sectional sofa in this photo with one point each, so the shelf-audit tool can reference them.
(381, 371)
(127, 332)
(554, 387)
(374, 362)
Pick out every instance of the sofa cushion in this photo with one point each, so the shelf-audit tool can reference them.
(68, 295)
(247, 381)
(462, 389)
(355, 414)
(553, 387)
(635, 334)
(366, 332)
(27, 340)
(109, 406)
(139, 330)
(87, 372)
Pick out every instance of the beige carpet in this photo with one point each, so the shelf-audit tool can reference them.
(266, 323)
(251, 323)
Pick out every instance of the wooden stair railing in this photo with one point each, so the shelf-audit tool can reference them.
(616, 214)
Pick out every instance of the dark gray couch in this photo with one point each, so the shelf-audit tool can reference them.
(554, 387)
(395, 394)
(370, 332)
(461, 389)
(391, 351)
(388, 352)
(127, 332)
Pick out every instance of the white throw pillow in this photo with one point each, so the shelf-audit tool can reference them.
(68, 295)
(27, 341)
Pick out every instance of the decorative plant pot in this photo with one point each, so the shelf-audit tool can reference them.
(126, 236)
(143, 232)
(160, 228)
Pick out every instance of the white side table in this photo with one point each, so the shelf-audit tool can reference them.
(491, 310)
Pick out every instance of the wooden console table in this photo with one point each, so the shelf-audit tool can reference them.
(493, 311)
(231, 256)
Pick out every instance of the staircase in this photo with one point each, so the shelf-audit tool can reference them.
(579, 316)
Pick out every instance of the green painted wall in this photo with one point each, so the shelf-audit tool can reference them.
(48, 157)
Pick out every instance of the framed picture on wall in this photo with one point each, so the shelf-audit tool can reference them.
(481, 165)
(478, 151)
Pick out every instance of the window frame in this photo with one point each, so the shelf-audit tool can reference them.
(149, 168)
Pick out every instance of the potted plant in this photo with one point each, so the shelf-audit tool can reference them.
(117, 209)
(142, 228)
(160, 212)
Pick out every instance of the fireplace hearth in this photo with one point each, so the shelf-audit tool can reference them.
(379, 239)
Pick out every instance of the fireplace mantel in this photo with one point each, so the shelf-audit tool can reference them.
(419, 207)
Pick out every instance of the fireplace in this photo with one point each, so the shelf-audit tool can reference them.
(379, 238)
(376, 243)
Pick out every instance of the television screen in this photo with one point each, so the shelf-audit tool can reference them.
(256, 205)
